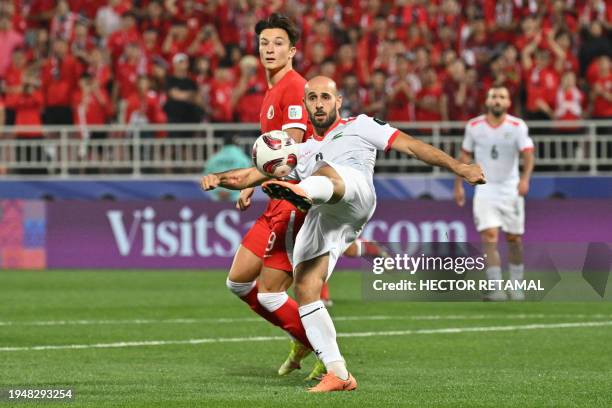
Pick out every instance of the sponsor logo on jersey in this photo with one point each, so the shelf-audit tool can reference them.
(270, 112)
(295, 112)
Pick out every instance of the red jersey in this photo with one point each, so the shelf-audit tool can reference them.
(283, 105)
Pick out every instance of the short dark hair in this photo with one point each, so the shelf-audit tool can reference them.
(276, 20)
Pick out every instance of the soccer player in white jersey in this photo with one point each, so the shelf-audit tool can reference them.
(496, 141)
(336, 169)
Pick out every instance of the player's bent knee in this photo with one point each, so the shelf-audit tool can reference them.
(240, 289)
(489, 235)
(272, 301)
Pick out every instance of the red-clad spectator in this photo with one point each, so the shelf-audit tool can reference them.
(477, 50)
(501, 17)
(81, 43)
(13, 84)
(454, 92)
(249, 93)
(208, 44)
(347, 63)
(402, 88)
(406, 15)
(560, 17)
(321, 33)
(98, 68)
(541, 81)
(63, 21)
(191, 14)
(353, 96)
(570, 99)
(59, 75)
(28, 106)
(601, 93)
(151, 46)
(41, 12)
(9, 40)
(429, 98)
(248, 38)
(375, 103)
(91, 104)
(39, 50)
(108, 18)
(155, 19)
(221, 91)
(312, 66)
(530, 29)
(144, 106)
(177, 41)
(129, 67)
(14, 10)
(561, 45)
(127, 33)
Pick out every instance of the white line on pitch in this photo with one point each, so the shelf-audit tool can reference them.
(335, 318)
(446, 330)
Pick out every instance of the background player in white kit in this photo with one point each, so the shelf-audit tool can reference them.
(496, 141)
(336, 167)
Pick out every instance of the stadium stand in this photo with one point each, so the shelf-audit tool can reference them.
(92, 63)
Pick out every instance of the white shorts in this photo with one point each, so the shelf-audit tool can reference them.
(333, 227)
(505, 212)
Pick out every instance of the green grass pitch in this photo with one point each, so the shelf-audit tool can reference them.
(548, 365)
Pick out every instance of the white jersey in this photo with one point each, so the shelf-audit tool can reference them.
(497, 150)
(353, 142)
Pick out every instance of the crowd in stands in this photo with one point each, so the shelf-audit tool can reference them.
(152, 61)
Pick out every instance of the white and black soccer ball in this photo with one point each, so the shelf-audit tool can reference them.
(275, 154)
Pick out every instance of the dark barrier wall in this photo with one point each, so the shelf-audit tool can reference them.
(196, 234)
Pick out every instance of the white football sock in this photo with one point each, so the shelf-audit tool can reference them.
(358, 244)
(517, 272)
(322, 336)
(319, 188)
(494, 273)
(238, 288)
(272, 301)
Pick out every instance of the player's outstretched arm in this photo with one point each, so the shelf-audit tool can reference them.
(236, 179)
(472, 173)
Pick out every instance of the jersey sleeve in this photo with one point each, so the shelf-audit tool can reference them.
(377, 132)
(525, 143)
(294, 112)
(468, 140)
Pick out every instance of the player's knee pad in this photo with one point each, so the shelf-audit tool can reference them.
(272, 301)
(238, 288)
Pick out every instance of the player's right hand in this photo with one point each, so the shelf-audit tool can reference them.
(459, 195)
(210, 182)
(244, 200)
(473, 174)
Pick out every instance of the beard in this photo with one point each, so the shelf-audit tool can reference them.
(497, 111)
(331, 118)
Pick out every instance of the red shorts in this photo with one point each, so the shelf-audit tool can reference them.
(273, 234)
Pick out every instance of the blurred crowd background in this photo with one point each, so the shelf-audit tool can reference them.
(150, 61)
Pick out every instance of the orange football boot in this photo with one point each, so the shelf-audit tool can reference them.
(331, 383)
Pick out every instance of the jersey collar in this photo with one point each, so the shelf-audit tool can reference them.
(338, 121)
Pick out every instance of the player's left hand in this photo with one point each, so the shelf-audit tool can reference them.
(210, 182)
(523, 187)
(472, 173)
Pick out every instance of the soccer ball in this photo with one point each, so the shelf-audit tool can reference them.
(275, 154)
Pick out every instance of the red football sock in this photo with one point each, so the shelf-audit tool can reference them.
(290, 321)
(251, 300)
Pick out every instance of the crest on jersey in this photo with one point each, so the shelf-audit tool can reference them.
(295, 112)
(270, 114)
